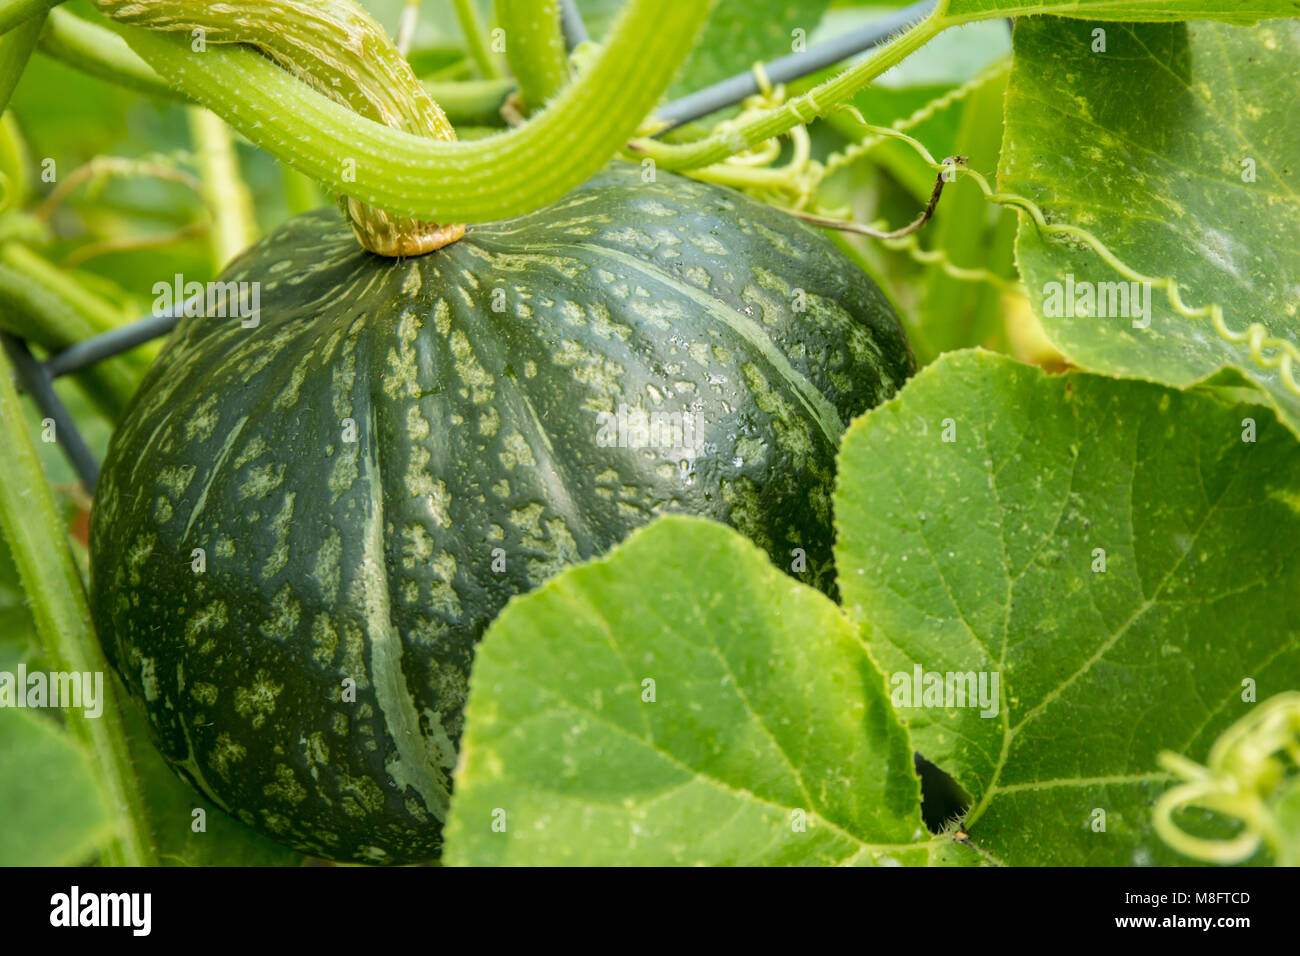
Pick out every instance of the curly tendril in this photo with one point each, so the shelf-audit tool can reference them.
(1267, 351)
(1245, 770)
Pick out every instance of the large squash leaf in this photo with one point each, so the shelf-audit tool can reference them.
(682, 702)
(53, 810)
(1113, 551)
(1176, 149)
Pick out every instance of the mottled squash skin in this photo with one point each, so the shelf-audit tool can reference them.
(375, 560)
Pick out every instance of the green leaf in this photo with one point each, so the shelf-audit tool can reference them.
(980, 555)
(1229, 11)
(54, 812)
(681, 702)
(1150, 158)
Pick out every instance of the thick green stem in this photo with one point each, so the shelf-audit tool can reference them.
(799, 111)
(475, 39)
(234, 227)
(15, 50)
(14, 12)
(495, 178)
(101, 53)
(534, 48)
(38, 540)
(333, 46)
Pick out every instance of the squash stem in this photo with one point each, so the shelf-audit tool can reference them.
(38, 540)
(99, 52)
(332, 46)
(410, 19)
(498, 177)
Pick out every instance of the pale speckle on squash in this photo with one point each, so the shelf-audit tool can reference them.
(469, 370)
(344, 473)
(418, 548)
(224, 753)
(417, 426)
(203, 420)
(559, 551)
(326, 572)
(402, 378)
(280, 524)
(324, 639)
(261, 480)
(285, 611)
(516, 451)
(210, 618)
(443, 597)
(256, 702)
(175, 479)
(149, 678)
(286, 786)
(162, 510)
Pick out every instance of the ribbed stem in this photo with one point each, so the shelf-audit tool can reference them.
(335, 47)
(495, 178)
(100, 52)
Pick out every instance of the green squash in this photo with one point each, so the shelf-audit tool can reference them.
(302, 528)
